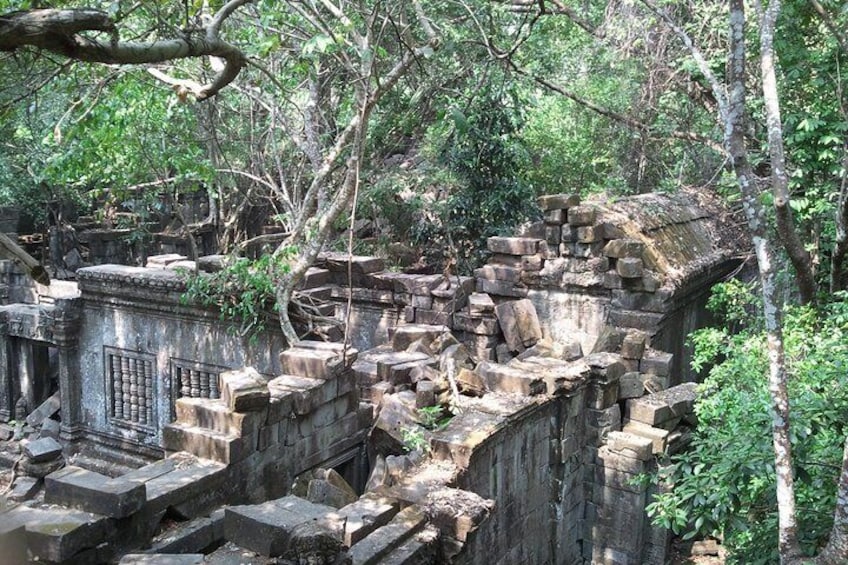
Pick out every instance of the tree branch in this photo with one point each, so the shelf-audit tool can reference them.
(58, 31)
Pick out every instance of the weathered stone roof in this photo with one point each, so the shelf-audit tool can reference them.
(681, 239)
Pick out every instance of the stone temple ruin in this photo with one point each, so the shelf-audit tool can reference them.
(499, 418)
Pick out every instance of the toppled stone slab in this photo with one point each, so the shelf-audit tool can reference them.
(397, 413)
(502, 378)
(244, 390)
(665, 408)
(519, 323)
(57, 534)
(49, 428)
(269, 528)
(24, 488)
(188, 487)
(79, 488)
(42, 450)
(420, 548)
(44, 411)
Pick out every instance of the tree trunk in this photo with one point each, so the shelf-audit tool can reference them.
(840, 247)
(836, 550)
(758, 227)
(787, 233)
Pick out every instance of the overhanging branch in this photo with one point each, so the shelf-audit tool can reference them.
(61, 32)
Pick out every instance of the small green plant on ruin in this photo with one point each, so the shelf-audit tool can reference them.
(413, 439)
(244, 291)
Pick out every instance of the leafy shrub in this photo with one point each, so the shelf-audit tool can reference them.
(244, 291)
(725, 484)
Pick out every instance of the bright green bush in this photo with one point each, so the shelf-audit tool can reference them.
(724, 485)
(243, 292)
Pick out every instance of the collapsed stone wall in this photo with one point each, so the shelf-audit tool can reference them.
(552, 437)
(645, 262)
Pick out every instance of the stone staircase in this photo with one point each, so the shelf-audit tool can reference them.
(255, 413)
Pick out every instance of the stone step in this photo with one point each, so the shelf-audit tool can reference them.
(92, 492)
(383, 541)
(192, 536)
(271, 528)
(420, 549)
(214, 415)
(207, 444)
(189, 486)
(368, 513)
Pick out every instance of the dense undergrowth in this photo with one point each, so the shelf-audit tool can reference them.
(724, 485)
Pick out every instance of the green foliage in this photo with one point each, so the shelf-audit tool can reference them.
(725, 484)
(490, 195)
(244, 291)
(413, 439)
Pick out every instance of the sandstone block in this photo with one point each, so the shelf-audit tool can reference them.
(377, 545)
(630, 385)
(657, 436)
(629, 268)
(44, 411)
(549, 202)
(553, 235)
(664, 406)
(432, 317)
(368, 513)
(630, 445)
(310, 363)
(519, 323)
(624, 248)
(501, 378)
(554, 217)
(590, 234)
(269, 528)
(162, 559)
(500, 288)
(656, 363)
(499, 273)
(582, 215)
(41, 450)
(479, 303)
(613, 280)
(633, 345)
(243, 390)
(513, 245)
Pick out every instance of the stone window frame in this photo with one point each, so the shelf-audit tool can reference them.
(147, 423)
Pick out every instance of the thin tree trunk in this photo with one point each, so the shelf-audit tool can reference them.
(787, 233)
(758, 226)
(840, 247)
(836, 550)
